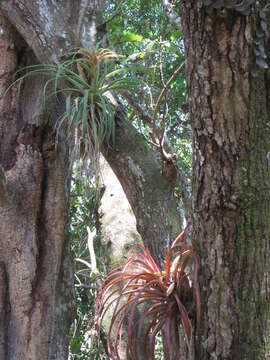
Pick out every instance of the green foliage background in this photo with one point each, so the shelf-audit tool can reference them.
(151, 48)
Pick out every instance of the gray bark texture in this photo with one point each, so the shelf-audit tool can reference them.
(157, 206)
(230, 115)
(35, 271)
(139, 169)
(117, 221)
(36, 296)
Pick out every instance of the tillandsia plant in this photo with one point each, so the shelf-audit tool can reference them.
(169, 299)
(86, 80)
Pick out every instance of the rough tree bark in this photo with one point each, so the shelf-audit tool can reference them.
(230, 115)
(36, 277)
(35, 270)
(138, 168)
(49, 39)
(36, 295)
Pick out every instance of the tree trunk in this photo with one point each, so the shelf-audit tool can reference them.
(230, 115)
(36, 273)
(118, 234)
(148, 191)
(35, 269)
(51, 29)
(138, 168)
(117, 221)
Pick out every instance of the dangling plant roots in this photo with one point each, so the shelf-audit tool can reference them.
(86, 80)
(168, 299)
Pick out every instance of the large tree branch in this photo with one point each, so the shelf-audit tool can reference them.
(148, 119)
(137, 165)
(138, 168)
(51, 28)
(137, 107)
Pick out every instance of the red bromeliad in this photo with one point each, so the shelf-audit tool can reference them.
(165, 298)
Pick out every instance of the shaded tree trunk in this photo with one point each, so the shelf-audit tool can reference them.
(157, 206)
(138, 168)
(118, 234)
(36, 289)
(117, 221)
(230, 116)
(36, 272)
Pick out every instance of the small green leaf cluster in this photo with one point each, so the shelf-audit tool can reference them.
(83, 213)
(153, 48)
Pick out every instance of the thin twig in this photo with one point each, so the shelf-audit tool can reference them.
(164, 91)
(161, 68)
(116, 12)
(165, 111)
(138, 108)
(90, 242)
(163, 127)
(150, 95)
(184, 185)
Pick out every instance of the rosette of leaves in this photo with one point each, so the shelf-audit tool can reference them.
(86, 80)
(241, 6)
(169, 299)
